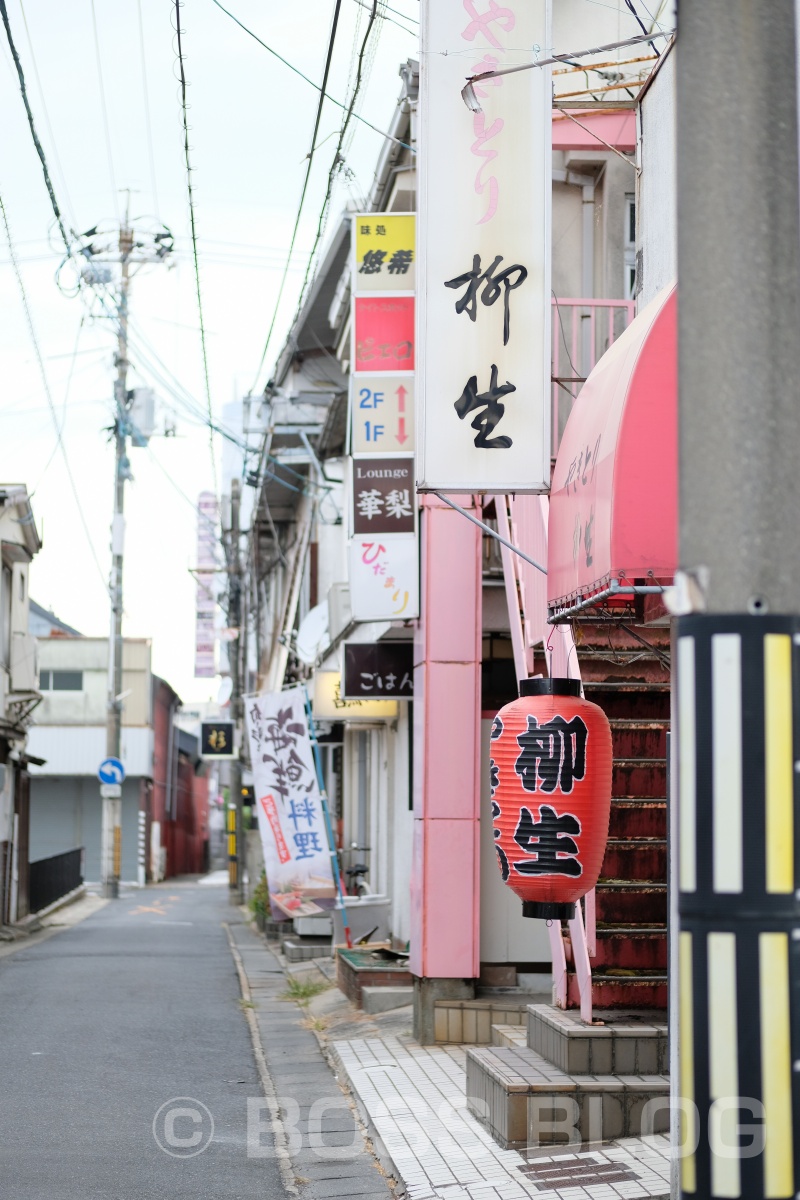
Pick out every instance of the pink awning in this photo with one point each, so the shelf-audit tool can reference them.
(617, 128)
(614, 499)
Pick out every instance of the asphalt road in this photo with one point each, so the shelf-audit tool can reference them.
(104, 1024)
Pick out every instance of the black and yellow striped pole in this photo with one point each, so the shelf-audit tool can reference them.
(233, 856)
(738, 725)
(736, 654)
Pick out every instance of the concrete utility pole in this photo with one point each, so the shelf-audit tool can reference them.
(236, 846)
(737, 692)
(130, 248)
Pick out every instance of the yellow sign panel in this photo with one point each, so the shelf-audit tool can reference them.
(328, 704)
(386, 252)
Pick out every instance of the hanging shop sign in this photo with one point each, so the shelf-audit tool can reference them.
(551, 764)
(216, 739)
(385, 252)
(331, 705)
(290, 818)
(483, 392)
(383, 571)
(383, 555)
(205, 600)
(383, 495)
(379, 669)
(384, 333)
(382, 409)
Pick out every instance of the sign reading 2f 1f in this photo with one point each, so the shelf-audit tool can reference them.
(483, 386)
(383, 414)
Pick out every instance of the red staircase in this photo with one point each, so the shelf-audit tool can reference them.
(629, 680)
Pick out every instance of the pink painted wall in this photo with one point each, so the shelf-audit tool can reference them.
(445, 909)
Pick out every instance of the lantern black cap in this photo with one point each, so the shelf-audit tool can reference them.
(549, 687)
(548, 912)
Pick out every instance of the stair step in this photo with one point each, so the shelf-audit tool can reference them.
(638, 818)
(509, 1035)
(639, 739)
(640, 990)
(635, 858)
(634, 948)
(513, 1091)
(621, 901)
(639, 777)
(615, 1044)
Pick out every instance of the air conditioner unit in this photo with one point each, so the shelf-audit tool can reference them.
(339, 611)
(24, 663)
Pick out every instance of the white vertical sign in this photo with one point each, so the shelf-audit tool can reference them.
(483, 336)
(205, 587)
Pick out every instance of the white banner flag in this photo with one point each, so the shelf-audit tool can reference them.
(483, 270)
(289, 805)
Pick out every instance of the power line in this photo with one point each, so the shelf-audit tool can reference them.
(629, 4)
(389, 137)
(148, 122)
(337, 158)
(310, 160)
(23, 89)
(190, 192)
(60, 428)
(46, 385)
(48, 122)
(104, 107)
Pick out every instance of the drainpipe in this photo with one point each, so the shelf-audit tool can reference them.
(361, 826)
(587, 279)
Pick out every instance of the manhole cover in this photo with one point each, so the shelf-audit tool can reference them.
(576, 1173)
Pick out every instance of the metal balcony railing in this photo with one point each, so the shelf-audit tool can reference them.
(582, 332)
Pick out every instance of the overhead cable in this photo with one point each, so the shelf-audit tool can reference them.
(31, 122)
(389, 137)
(148, 122)
(190, 192)
(104, 107)
(309, 163)
(641, 24)
(337, 158)
(46, 386)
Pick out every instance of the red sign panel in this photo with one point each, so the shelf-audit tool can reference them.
(384, 333)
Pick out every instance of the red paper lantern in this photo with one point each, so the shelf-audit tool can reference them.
(551, 795)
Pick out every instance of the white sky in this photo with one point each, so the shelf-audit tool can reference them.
(251, 121)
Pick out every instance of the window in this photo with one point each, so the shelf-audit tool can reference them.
(630, 247)
(61, 681)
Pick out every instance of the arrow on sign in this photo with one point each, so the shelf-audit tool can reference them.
(402, 436)
(401, 394)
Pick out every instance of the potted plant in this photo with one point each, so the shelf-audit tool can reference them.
(259, 902)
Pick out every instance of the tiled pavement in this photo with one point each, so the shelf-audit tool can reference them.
(414, 1101)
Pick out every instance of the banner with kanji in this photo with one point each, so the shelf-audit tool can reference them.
(289, 805)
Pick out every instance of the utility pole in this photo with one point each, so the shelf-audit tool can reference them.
(737, 644)
(130, 248)
(235, 835)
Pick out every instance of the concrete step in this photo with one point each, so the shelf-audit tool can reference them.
(301, 949)
(509, 1035)
(524, 1101)
(384, 999)
(617, 1043)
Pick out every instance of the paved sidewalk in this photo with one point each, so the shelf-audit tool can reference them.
(414, 1098)
(327, 1151)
